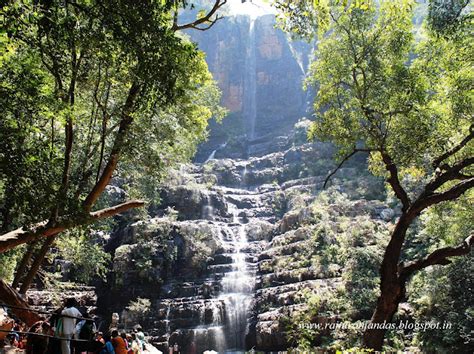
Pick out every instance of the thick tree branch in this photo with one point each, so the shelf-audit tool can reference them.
(453, 193)
(25, 261)
(35, 267)
(449, 173)
(20, 306)
(440, 256)
(355, 151)
(117, 209)
(394, 181)
(69, 138)
(203, 20)
(454, 149)
(111, 165)
(44, 229)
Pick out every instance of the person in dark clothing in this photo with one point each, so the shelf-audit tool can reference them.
(38, 344)
(86, 330)
(54, 346)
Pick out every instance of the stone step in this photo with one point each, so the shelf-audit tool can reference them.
(220, 268)
(288, 277)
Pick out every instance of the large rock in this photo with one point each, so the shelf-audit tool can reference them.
(193, 203)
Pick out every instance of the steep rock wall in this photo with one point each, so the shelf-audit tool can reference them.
(255, 64)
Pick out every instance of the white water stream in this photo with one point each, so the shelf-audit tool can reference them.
(237, 286)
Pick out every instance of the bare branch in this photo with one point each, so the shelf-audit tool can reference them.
(454, 149)
(212, 23)
(36, 265)
(450, 173)
(45, 229)
(25, 261)
(111, 165)
(203, 20)
(117, 209)
(342, 162)
(453, 193)
(440, 256)
(394, 181)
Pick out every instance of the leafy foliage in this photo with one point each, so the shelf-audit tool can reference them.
(88, 259)
(69, 69)
(8, 263)
(342, 246)
(407, 103)
(446, 16)
(444, 294)
(93, 90)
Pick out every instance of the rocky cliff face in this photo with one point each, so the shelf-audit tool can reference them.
(260, 72)
(223, 257)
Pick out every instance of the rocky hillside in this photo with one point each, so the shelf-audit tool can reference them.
(262, 220)
(244, 242)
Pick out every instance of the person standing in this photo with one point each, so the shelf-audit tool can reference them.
(140, 336)
(85, 332)
(38, 344)
(176, 348)
(68, 324)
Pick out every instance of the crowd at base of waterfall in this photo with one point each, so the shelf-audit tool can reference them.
(363, 325)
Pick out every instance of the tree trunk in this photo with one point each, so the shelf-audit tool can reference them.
(11, 297)
(392, 287)
(25, 261)
(387, 305)
(39, 257)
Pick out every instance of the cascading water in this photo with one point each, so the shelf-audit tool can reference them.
(237, 287)
(250, 83)
(213, 153)
(217, 318)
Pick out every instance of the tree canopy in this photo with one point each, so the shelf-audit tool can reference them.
(405, 98)
(84, 85)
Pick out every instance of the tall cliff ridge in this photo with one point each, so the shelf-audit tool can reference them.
(260, 72)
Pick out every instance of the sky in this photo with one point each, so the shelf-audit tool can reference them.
(254, 8)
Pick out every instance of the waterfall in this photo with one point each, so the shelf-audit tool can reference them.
(211, 156)
(167, 318)
(237, 286)
(215, 314)
(213, 153)
(250, 83)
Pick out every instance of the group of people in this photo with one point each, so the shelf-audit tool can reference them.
(123, 343)
(68, 331)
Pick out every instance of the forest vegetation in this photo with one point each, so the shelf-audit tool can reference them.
(95, 93)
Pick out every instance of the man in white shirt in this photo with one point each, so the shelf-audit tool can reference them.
(69, 324)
